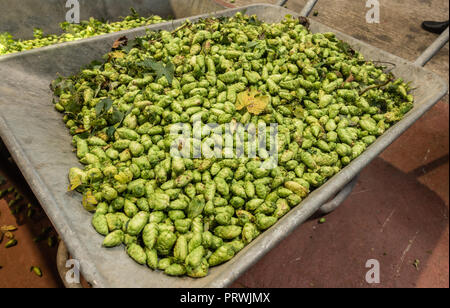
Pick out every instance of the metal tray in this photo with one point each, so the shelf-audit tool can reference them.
(41, 146)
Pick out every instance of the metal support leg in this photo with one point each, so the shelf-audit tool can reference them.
(338, 199)
(61, 258)
(306, 9)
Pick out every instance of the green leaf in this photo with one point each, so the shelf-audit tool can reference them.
(297, 111)
(84, 135)
(93, 65)
(99, 107)
(251, 44)
(254, 21)
(346, 48)
(60, 85)
(128, 112)
(137, 42)
(110, 132)
(128, 48)
(117, 116)
(97, 90)
(75, 104)
(124, 116)
(170, 71)
(160, 68)
(108, 103)
(134, 13)
(96, 64)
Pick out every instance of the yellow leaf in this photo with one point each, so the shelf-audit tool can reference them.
(74, 183)
(117, 55)
(259, 105)
(242, 100)
(253, 100)
(89, 201)
(298, 112)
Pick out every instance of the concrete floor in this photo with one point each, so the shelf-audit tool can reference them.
(397, 214)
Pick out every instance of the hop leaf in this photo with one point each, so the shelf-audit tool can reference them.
(255, 102)
(161, 69)
(110, 132)
(121, 41)
(116, 55)
(74, 183)
(103, 106)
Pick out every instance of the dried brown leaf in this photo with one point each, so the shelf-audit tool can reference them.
(121, 41)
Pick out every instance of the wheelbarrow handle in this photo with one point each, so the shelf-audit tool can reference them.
(281, 2)
(433, 49)
(306, 9)
(61, 258)
(339, 198)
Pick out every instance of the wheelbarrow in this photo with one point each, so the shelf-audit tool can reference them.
(41, 146)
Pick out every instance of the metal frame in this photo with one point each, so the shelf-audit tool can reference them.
(434, 48)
